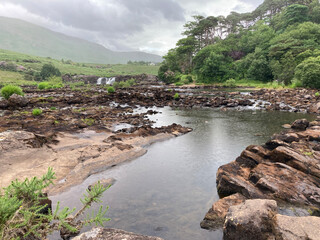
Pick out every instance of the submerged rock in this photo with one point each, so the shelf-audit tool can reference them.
(112, 234)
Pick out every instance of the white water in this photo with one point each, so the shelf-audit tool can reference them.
(109, 81)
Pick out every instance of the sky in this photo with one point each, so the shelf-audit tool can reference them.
(152, 26)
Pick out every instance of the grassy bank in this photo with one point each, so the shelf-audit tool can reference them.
(67, 67)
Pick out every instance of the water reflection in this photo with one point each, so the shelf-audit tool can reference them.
(167, 192)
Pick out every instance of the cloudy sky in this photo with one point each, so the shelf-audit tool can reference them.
(152, 26)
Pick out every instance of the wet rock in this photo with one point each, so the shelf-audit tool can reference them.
(104, 182)
(4, 104)
(300, 124)
(250, 220)
(16, 100)
(112, 234)
(215, 217)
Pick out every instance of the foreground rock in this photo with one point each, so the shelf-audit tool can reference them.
(286, 169)
(258, 219)
(112, 234)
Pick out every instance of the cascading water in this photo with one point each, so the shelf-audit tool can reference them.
(108, 81)
(99, 81)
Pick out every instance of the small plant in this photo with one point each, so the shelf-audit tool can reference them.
(176, 96)
(111, 90)
(317, 94)
(44, 85)
(36, 112)
(9, 90)
(23, 216)
(88, 121)
(53, 108)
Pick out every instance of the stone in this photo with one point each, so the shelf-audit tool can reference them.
(112, 234)
(16, 100)
(104, 182)
(300, 124)
(250, 220)
(215, 217)
(258, 220)
(297, 228)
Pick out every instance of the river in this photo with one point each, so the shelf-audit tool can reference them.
(168, 191)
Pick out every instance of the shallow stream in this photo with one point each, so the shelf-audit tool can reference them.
(168, 191)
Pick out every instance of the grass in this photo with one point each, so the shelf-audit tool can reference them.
(69, 67)
(9, 90)
(36, 112)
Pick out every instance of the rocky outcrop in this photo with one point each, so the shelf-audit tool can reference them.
(104, 182)
(258, 219)
(16, 101)
(112, 234)
(286, 168)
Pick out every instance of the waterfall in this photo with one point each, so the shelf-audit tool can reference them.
(99, 81)
(110, 81)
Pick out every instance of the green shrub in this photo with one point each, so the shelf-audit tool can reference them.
(53, 108)
(44, 85)
(21, 211)
(230, 83)
(48, 70)
(36, 112)
(178, 84)
(317, 94)
(111, 90)
(9, 90)
(296, 83)
(308, 72)
(176, 96)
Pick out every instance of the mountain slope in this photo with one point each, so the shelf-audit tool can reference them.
(20, 36)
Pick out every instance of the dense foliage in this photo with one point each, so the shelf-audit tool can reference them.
(9, 90)
(265, 45)
(48, 70)
(23, 214)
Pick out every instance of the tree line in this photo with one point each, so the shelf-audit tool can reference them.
(279, 40)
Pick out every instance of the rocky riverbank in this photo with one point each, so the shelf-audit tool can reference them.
(285, 169)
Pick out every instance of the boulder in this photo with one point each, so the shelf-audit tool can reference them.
(112, 234)
(16, 100)
(250, 220)
(300, 124)
(258, 219)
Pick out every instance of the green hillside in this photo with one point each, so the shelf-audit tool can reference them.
(20, 36)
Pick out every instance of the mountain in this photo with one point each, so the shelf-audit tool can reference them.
(21, 36)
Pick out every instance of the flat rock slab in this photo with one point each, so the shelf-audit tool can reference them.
(112, 234)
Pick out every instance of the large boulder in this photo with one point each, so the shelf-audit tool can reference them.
(258, 220)
(16, 100)
(112, 234)
(250, 220)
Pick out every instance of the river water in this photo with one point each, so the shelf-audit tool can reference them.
(168, 191)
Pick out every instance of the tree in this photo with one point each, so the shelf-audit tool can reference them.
(48, 70)
(308, 72)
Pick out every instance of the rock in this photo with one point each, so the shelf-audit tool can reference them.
(216, 215)
(112, 234)
(250, 220)
(315, 108)
(300, 124)
(286, 126)
(4, 104)
(296, 228)
(16, 100)
(258, 220)
(104, 182)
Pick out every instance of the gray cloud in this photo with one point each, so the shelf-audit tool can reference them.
(149, 25)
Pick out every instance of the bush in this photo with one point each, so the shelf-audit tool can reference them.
(36, 112)
(111, 90)
(230, 83)
(317, 94)
(176, 96)
(44, 85)
(308, 72)
(9, 90)
(22, 216)
(48, 70)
